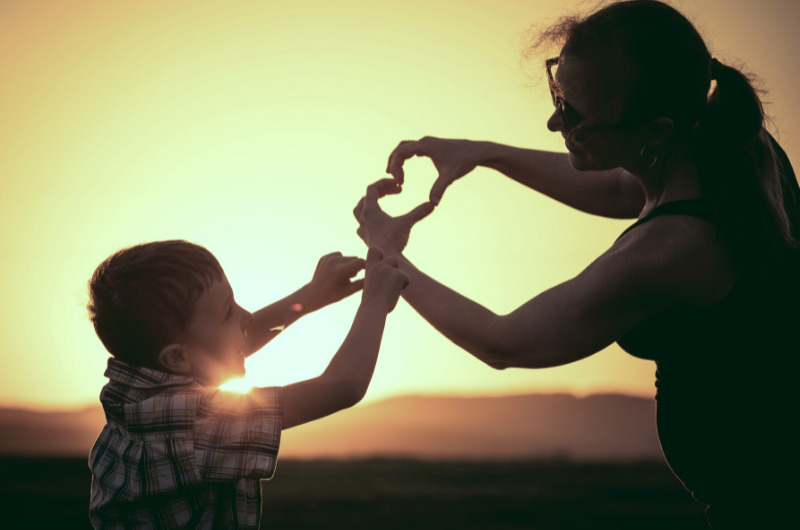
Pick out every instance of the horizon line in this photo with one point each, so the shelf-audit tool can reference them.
(54, 408)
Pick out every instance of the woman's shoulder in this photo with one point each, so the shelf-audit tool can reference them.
(684, 255)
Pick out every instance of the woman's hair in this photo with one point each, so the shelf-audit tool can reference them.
(142, 297)
(667, 71)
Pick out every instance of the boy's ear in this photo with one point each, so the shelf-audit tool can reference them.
(174, 360)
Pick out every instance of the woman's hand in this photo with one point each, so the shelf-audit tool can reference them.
(377, 228)
(332, 281)
(452, 158)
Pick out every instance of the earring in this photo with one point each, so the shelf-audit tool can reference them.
(655, 158)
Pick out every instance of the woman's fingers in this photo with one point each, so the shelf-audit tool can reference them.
(437, 190)
(417, 214)
(358, 210)
(404, 150)
(375, 191)
(430, 147)
(379, 189)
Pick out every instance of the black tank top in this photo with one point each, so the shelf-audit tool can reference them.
(651, 340)
(725, 373)
(694, 207)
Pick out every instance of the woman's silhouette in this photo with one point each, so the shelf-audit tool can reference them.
(705, 282)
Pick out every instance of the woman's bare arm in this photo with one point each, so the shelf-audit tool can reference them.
(634, 280)
(671, 260)
(613, 193)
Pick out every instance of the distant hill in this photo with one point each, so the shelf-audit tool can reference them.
(596, 427)
(26, 432)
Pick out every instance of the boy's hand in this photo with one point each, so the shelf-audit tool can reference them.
(383, 280)
(332, 280)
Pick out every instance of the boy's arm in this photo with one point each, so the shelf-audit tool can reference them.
(332, 282)
(346, 379)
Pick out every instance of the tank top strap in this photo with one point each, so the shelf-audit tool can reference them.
(698, 207)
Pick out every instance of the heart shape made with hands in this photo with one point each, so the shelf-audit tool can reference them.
(420, 174)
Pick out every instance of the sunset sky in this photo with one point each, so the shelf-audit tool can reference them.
(253, 127)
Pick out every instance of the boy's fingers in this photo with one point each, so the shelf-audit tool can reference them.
(355, 286)
(341, 258)
(420, 212)
(352, 266)
(328, 257)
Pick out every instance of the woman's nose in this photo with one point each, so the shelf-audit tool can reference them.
(554, 122)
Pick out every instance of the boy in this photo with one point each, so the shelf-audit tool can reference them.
(176, 452)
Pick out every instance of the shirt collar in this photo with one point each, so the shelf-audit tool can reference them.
(140, 377)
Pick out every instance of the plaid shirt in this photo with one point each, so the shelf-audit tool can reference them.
(177, 454)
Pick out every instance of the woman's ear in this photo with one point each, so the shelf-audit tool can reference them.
(173, 359)
(659, 132)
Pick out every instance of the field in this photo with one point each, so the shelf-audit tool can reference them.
(401, 494)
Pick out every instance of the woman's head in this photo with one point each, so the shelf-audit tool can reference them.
(640, 60)
(650, 58)
(642, 81)
(589, 114)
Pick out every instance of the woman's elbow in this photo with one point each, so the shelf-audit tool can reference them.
(500, 347)
(498, 365)
(496, 358)
(518, 357)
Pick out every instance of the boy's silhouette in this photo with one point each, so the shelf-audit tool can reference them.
(176, 451)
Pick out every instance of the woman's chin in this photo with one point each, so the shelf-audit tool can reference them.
(578, 160)
(583, 162)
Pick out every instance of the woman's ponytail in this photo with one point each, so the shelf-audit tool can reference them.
(752, 187)
(734, 115)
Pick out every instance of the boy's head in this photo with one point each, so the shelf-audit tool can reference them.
(167, 305)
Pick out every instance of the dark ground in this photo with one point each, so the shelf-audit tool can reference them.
(400, 494)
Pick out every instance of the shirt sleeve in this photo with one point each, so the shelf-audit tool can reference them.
(237, 435)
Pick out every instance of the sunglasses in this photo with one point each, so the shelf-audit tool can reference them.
(570, 117)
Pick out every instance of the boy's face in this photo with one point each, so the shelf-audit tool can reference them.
(213, 341)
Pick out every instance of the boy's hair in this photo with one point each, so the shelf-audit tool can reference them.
(142, 297)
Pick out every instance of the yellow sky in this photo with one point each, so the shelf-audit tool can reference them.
(252, 128)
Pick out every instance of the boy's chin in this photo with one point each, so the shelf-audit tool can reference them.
(225, 376)
(236, 373)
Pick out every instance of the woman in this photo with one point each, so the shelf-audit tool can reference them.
(704, 282)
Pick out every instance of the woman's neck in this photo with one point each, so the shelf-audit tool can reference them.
(676, 178)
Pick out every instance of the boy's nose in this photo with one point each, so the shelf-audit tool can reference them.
(247, 320)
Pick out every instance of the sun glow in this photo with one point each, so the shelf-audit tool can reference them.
(240, 385)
